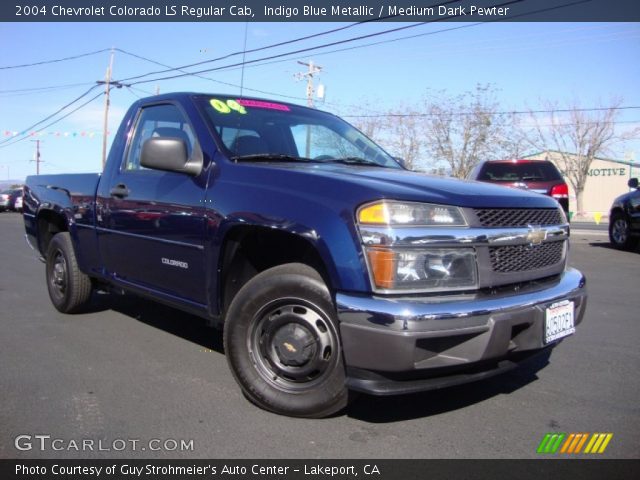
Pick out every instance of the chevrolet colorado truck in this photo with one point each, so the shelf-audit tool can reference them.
(329, 266)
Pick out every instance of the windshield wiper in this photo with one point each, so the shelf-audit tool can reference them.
(356, 161)
(270, 157)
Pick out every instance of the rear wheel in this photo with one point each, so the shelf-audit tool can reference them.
(282, 343)
(620, 234)
(69, 288)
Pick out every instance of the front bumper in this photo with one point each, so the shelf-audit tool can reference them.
(401, 345)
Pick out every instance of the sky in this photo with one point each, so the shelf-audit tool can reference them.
(591, 63)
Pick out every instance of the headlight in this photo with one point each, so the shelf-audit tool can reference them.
(408, 269)
(411, 214)
(437, 269)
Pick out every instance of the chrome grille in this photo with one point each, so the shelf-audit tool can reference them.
(522, 258)
(517, 217)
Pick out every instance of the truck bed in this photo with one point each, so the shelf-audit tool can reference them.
(72, 195)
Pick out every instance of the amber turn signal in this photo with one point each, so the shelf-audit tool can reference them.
(376, 213)
(382, 262)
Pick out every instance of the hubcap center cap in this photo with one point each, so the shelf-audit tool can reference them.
(294, 345)
(58, 274)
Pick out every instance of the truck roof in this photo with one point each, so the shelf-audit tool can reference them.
(189, 95)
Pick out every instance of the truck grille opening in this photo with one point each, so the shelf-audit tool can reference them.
(522, 258)
(517, 217)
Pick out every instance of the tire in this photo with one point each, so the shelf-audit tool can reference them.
(69, 288)
(620, 232)
(282, 343)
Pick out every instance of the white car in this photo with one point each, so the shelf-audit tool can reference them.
(17, 206)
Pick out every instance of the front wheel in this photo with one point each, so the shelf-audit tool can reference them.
(69, 288)
(619, 233)
(282, 343)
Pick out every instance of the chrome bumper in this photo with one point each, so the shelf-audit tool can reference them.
(386, 334)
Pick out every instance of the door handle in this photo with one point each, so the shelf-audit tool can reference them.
(119, 191)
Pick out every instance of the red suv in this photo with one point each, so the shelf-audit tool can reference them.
(540, 176)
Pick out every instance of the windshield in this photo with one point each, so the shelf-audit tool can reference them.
(519, 172)
(260, 130)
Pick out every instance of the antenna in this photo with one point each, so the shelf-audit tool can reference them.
(244, 54)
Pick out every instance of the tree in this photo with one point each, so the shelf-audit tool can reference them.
(578, 136)
(465, 129)
(399, 131)
(404, 135)
(368, 119)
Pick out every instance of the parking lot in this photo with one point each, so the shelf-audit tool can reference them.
(134, 370)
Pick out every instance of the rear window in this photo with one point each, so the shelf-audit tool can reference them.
(519, 172)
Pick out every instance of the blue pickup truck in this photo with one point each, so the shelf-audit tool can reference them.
(329, 266)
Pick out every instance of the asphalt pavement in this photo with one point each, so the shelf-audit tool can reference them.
(133, 371)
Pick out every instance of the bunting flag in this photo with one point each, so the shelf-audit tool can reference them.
(58, 134)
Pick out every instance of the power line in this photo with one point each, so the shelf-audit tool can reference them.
(506, 112)
(146, 92)
(408, 37)
(206, 78)
(134, 93)
(286, 60)
(44, 62)
(6, 143)
(227, 67)
(50, 87)
(224, 67)
(615, 122)
(279, 44)
(203, 77)
(55, 121)
(308, 49)
(295, 52)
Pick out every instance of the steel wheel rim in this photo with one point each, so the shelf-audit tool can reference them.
(619, 232)
(58, 275)
(293, 345)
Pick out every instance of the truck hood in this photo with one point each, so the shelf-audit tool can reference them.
(361, 184)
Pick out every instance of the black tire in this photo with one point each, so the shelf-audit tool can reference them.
(620, 232)
(282, 343)
(69, 288)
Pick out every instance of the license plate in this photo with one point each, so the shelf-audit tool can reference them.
(558, 321)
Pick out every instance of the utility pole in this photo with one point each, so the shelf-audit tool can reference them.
(108, 85)
(107, 88)
(308, 75)
(37, 159)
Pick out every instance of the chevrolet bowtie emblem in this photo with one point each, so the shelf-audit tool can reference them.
(536, 235)
(289, 347)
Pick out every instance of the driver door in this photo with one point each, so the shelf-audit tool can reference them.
(153, 226)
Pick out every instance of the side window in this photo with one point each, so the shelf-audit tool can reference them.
(318, 141)
(157, 121)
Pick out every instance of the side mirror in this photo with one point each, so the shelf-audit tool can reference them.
(170, 154)
(633, 183)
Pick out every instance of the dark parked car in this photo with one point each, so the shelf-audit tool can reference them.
(5, 200)
(15, 200)
(624, 218)
(540, 176)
